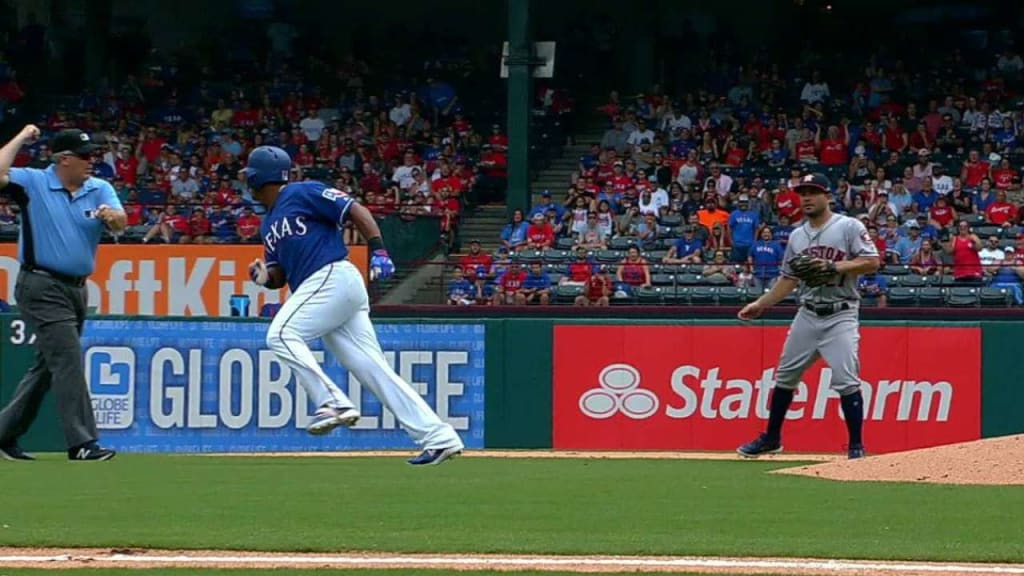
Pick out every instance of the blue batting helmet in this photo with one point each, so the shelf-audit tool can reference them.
(267, 164)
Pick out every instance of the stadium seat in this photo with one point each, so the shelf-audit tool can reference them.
(896, 269)
(649, 296)
(555, 277)
(930, 296)
(530, 256)
(679, 296)
(688, 279)
(716, 280)
(565, 243)
(557, 256)
(704, 295)
(732, 295)
(1011, 232)
(944, 280)
(962, 297)
(609, 256)
(696, 269)
(985, 230)
(671, 220)
(973, 219)
(663, 279)
(995, 297)
(622, 243)
(567, 294)
(913, 281)
(655, 255)
(902, 297)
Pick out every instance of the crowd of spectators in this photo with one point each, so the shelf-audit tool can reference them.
(695, 190)
(173, 150)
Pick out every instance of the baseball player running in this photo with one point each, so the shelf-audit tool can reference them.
(303, 247)
(824, 258)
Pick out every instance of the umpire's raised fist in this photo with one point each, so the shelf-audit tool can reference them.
(30, 132)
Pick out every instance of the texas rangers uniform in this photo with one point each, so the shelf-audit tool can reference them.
(329, 301)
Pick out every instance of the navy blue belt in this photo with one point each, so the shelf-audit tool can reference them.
(77, 281)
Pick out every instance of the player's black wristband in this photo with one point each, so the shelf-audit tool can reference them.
(376, 243)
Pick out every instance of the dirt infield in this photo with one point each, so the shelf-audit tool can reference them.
(66, 559)
(993, 461)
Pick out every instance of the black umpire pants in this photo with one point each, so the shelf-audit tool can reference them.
(55, 310)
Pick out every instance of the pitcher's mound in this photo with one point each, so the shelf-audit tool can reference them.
(994, 461)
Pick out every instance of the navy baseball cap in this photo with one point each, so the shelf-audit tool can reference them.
(815, 182)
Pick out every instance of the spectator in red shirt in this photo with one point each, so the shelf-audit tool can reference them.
(974, 170)
(1001, 212)
(1002, 177)
(540, 236)
(127, 166)
(198, 228)
(509, 285)
(248, 226)
(171, 228)
(941, 213)
(597, 290)
(474, 260)
(787, 203)
(497, 140)
(834, 148)
(580, 270)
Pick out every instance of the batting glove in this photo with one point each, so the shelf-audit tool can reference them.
(258, 272)
(381, 266)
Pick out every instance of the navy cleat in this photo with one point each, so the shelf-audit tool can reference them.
(761, 445)
(855, 452)
(434, 456)
(90, 452)
(14, 453)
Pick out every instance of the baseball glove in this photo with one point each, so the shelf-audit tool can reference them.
(813, 271)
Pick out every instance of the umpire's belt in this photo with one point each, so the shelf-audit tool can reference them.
(77, 281)
(827, 309)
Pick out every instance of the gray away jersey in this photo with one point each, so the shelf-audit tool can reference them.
(841, 238)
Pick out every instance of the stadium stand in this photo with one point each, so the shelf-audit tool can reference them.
(686, 198)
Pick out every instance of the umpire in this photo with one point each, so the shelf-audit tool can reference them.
(63, 213)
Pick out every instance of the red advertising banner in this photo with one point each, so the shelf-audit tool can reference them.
(169, 279)
(707, 388)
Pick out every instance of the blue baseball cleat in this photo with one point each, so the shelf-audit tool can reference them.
(434, 456)
(760, 445)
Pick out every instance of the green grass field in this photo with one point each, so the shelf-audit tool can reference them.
(490, 505)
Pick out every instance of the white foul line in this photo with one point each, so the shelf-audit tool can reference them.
(833, 566)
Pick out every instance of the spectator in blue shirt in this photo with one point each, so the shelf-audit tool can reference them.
(222, 226)
(925, 198)
(908, 245)
(1008, 275)
(546, 203)
(782, 230)
(537, 286)
(513, 236)
(873, 287)
(460, 291)
(765, 259)
(686, 250)
(743, 223)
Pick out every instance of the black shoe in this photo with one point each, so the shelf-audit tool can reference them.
(760, 445)
(90, 451)
(13, 453)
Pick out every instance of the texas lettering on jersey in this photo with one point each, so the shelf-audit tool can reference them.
(284, 228)
(301, 232)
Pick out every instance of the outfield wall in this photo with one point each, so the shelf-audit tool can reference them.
(210, 385)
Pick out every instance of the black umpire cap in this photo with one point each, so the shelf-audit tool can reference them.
(74, 141)
(816, 182)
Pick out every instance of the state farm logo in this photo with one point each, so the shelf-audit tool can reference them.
(619, 391)
(693, 392)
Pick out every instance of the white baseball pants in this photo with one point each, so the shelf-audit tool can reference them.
(333, 304)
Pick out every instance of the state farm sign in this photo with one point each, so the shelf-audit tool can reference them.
(707, 388)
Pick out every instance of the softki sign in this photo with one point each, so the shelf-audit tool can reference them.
(707, 388)
(168, 279)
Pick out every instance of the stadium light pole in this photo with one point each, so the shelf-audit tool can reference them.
(520, 72)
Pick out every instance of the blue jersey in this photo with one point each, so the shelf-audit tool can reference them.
(301, 233)
(743, 224)
(766, 257)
